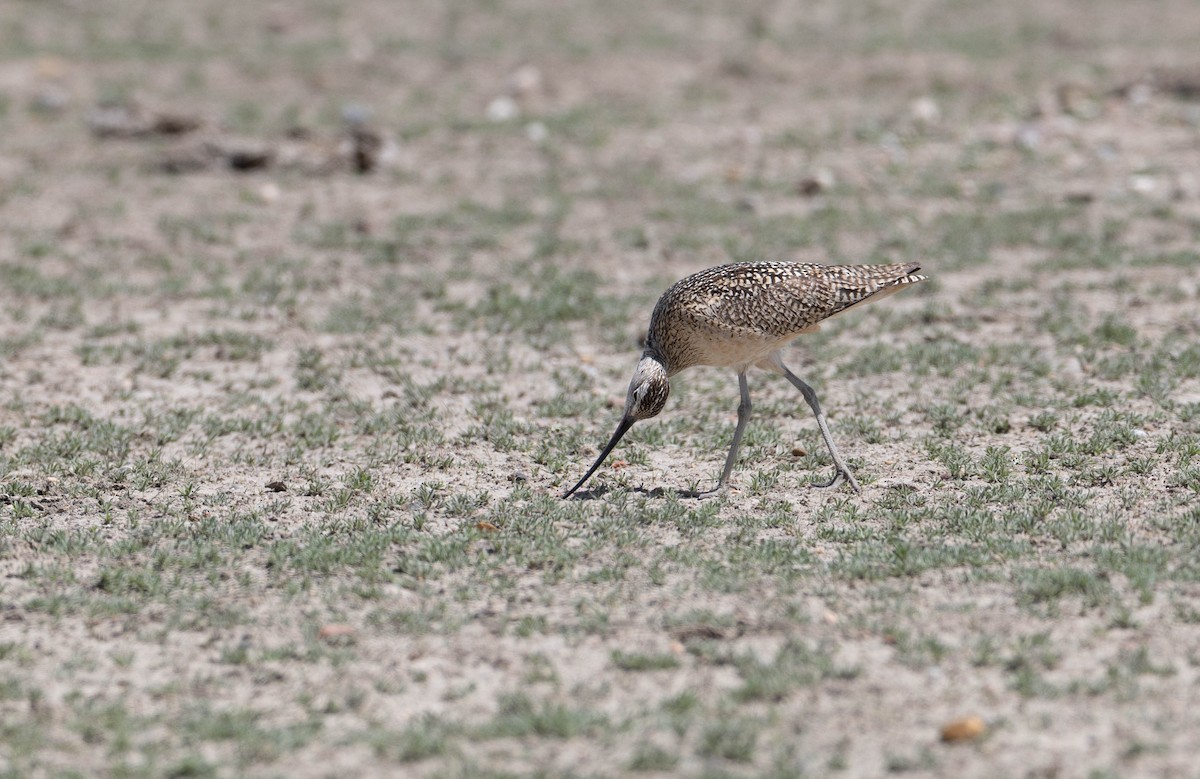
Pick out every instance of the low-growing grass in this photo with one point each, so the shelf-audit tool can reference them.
(280, 451)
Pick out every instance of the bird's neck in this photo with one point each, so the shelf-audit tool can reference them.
(654, 354)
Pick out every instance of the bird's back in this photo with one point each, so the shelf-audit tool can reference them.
(734, 315)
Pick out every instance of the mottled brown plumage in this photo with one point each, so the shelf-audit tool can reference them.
(742, 315)
(734, 315)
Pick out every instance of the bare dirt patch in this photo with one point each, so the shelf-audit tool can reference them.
(310, 312)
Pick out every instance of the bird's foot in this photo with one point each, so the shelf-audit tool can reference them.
(702, 494)
(842, 475)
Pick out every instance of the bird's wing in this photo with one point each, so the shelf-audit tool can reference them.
(774, 308)
(752, 300)
(778, 300)
(844, 287)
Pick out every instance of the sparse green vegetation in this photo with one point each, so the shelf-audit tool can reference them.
(280, 449)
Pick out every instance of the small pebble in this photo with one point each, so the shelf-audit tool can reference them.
(1143, 185)
(355, 114)
(335, 630)
(963, 729)
(526, 80)
(536, 132)
(925, 110)
(1028, 138)
(51, 100)
(503, 109)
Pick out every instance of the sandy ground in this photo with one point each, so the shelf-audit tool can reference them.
(311, 310)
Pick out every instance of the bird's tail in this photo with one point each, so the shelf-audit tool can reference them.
(859, 284)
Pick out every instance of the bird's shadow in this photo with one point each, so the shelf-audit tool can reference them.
(691, 494)
(656, 492)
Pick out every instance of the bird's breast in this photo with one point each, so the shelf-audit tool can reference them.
(716, 347)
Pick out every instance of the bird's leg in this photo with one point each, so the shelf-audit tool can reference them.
(810, 395)
(743, 418)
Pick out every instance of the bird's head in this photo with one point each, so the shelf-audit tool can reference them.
(648, 391)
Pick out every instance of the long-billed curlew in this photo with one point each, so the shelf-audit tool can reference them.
(742, 315)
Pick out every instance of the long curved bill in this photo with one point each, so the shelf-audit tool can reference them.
(622, 428)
